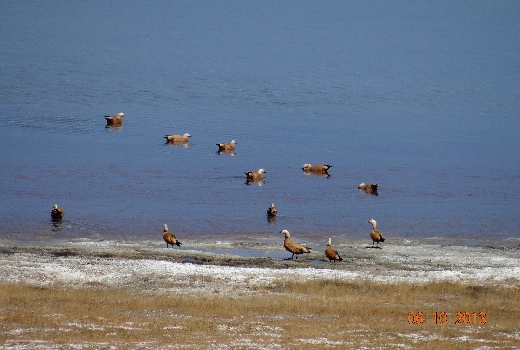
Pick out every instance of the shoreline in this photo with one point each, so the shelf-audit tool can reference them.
(229, 263)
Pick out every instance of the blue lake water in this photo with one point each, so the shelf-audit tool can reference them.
(420, 97)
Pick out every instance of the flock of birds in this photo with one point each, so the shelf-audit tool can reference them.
(296, 249)
(332, 254)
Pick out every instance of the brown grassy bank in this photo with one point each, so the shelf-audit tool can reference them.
(286, 315)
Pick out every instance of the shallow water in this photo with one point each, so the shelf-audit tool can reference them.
(421, 98)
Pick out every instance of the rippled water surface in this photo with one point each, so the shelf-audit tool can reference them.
(421, 98)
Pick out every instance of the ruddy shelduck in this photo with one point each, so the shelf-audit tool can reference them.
(293, 247)
(177, 138)
(115, 120)
(272, 211)
(368, 188)
(226, 147)
(318, 169)
(170, 238)
(255, 176)
(332, 253)
(375, 234)
(57, 213)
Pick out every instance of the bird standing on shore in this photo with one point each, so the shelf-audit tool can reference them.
(170, 238)
(293, 247)
(57, 213)
(115, 120)
(375, 234)
(332, 253)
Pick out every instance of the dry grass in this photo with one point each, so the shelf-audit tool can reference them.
(318, 314)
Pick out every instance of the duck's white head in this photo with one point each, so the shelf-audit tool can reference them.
(330, 241)
(55, 206)
(286, 233)
(261, 171)
(233, 142)
(186, 135)
(373, 222)
(361, 185)
(121, 114)
(305, 166)
(165, 227)
(272, 205)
